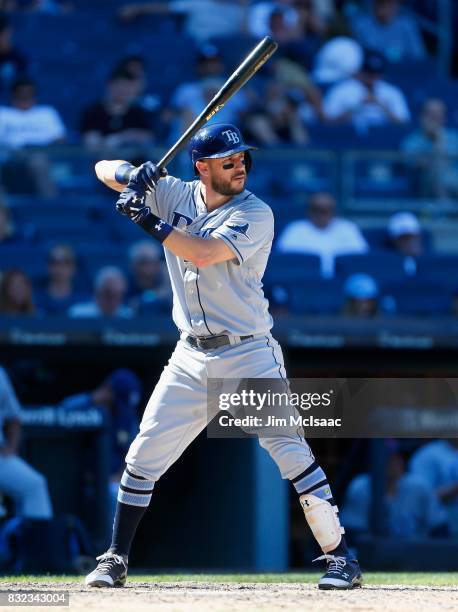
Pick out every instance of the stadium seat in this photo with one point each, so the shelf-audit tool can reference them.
(380, 178)
(441, 268)
(99, 254)
(30, 259)
(418, 297)
(384, 267)
(316, 296)
(291, 267)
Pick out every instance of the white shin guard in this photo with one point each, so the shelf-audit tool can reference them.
(323, 520)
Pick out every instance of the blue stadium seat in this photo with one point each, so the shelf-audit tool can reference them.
(384, 267)
(341, 137)
(317, 296)
(418, 297)
(441, 268)
(99, 254)
(31, 259)
(381, 178)
(291, 267)
(332, 136)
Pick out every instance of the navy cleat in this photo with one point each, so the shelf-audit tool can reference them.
(111, 571)
(342, 573)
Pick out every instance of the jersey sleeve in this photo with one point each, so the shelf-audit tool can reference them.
(168, 193)
(247, 230)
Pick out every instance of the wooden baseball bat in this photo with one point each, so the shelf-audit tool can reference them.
(250, 65)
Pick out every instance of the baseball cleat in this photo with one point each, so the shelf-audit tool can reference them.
(342, 573)
(111, 571)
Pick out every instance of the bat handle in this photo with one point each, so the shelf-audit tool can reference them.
(123, 172)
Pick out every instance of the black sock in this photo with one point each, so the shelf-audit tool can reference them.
(125, 525)
(341, 550)
(134, 496)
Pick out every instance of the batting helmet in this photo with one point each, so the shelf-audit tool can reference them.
(218, 140)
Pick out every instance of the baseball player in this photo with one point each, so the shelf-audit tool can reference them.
(217, 238)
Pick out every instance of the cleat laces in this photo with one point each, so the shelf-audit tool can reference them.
(335, 564)
(108, 560)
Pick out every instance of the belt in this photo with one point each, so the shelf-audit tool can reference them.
(212, 342)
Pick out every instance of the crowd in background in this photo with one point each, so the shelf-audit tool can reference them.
(330, 68)
(333, 68)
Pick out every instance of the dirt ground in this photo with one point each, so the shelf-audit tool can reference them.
(201, 596)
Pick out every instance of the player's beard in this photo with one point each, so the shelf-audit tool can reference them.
(226, 187)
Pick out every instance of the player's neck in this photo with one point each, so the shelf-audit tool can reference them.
(212, 199)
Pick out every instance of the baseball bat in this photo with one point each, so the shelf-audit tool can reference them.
(250, 65)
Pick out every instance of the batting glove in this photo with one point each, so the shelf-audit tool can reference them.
(131, 203)
(146, 176)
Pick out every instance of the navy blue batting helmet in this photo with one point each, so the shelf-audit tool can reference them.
(218, 140)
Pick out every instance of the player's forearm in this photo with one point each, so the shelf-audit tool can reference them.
(202, 252)
(108, 171)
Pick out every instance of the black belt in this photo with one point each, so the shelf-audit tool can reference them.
(212, 342)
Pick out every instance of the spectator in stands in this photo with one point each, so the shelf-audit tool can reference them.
(12, 61)
(149, 288)
(190, 98)
(16, 294)
(301, 16)
(311, 32)
(110, 290)
(366, 99)
(284, 107)
(339, 58)
(405, 236)
(150, 102)
(204, 19)
(23, 125)
(432, 146)
(60, 291)
(436, 463)
(7, 230)
(27, 123)
(26, 486)
(361, 296)
(136, 66)
(277, 118)
(410, 506)
(322, 234)
(395, 35)
(119, 396)
(260, 15)
(116, 121)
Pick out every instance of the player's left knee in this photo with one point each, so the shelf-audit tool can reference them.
(291, 456)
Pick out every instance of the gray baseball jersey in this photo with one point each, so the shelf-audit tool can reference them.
(225, 297)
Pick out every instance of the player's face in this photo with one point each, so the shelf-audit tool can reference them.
(228, 174)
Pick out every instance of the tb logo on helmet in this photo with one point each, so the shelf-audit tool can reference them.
(231, 137)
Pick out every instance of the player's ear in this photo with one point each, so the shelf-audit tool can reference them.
(202, 167)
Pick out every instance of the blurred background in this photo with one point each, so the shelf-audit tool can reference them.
(356, 122)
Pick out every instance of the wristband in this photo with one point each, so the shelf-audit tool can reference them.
(122, 173)
(155, 226)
